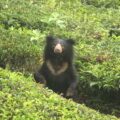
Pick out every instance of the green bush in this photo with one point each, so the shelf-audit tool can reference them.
(25, 23)
(103, 3)
(100, 60)
(21, 98)
(35, 14)
(20, 48)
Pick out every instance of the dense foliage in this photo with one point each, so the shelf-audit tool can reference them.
(102, 3)
(94, 24)
(22, 99)
(25, 23)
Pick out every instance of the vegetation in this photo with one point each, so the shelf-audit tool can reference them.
(102, 3)
(21, 98)
(94, 24)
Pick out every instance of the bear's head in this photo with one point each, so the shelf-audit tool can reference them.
(59, 48)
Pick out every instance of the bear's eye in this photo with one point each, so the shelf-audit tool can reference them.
(62, 46)
(53, 45)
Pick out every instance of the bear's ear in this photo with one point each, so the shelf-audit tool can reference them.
(49, 38)
(71, 41)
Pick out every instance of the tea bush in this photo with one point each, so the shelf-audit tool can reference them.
(25, 23)
(20, 48)
(21, 98)
(102, 3)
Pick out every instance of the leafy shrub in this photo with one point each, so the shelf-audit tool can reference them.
(101, 62)
(21, 98)
(103, 3)
(25, 23)
(20, 47)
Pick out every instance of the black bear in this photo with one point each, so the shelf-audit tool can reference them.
(57, 71)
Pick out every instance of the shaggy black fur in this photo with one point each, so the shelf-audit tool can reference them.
(65, 82)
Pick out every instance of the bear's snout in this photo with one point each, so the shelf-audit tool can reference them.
(58, 49)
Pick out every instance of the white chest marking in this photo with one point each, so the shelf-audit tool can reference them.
(63, 68)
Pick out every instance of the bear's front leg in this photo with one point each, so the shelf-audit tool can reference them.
(39, 78)
(74, 80)
(71, 90)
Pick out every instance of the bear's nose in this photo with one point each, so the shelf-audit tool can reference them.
(58, 48)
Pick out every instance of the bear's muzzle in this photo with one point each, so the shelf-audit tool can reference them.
(58, 49)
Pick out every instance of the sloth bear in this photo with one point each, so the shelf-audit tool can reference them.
(57, 71)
